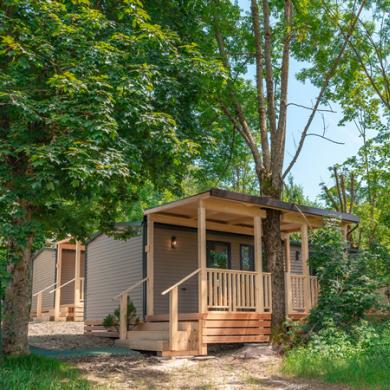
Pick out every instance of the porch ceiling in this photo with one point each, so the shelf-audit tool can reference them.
(231, 214)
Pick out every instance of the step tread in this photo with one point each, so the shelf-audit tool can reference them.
(148, 335)
(145, 345)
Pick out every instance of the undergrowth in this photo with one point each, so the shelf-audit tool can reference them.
(40, 373)
(359, 357)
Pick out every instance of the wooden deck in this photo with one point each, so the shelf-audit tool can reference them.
(196, 331)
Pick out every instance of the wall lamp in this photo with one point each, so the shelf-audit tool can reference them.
(173, 242)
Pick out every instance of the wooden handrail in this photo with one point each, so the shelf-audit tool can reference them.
(132, 287)
(46, 288)
(63, 285)
(189, 276)
(232, 271)
(174, 310)
(124, 300)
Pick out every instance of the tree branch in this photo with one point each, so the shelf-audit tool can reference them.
(325, 84)
(362, 62)
(326, 138)
(246, 135)
(311, 108)
(269, 79)
(259, 84)
(278, 149)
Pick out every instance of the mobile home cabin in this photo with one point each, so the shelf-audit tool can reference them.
(197, 274)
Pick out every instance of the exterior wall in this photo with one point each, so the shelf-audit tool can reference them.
(111, 267)
(67, 273)
(171, 265)
(44, 266)
(296, 259)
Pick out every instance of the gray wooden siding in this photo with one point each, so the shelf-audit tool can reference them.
(171, 265)
(296, 259)
(112, 266)
(43, 276)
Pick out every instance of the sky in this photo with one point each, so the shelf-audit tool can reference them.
(317, 154)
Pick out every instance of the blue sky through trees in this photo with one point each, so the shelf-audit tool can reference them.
(317, 154)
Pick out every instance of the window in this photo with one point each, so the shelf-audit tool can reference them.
(218, 254)
(247, 257)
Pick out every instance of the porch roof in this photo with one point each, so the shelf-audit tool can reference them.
(235, 211)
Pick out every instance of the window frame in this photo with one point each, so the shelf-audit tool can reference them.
(252, 251)
(209, 246)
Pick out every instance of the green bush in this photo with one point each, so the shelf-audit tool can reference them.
(347, 285)
(112, 320)
(359, 357)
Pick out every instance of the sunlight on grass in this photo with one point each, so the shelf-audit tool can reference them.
(369, 369)
(33, 372)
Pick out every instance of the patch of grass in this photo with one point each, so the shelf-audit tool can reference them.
(366, 365)
(40, 373)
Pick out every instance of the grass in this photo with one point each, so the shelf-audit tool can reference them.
(40, 373)
(368, 368)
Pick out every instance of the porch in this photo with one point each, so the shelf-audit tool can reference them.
(67, 286)
(226, 305)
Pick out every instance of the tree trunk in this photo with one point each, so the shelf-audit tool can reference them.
(275, 261)
(17, 303)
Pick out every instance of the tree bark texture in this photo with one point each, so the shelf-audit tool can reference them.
(17, 304)
(274, 255)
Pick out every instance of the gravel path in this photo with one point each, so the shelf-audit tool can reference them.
(63, 335)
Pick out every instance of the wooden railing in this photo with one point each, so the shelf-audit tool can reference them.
(174, 310)
(298, 293)
(82, 289)
(267, 296)
(314, 291)
(39, 296)
(62, 285)
(231, 290)
(124, 299)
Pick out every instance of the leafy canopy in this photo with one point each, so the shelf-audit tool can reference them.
(82, 122)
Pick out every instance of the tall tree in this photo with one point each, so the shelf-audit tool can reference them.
(267, 38)
(82, 126)
(275, 27)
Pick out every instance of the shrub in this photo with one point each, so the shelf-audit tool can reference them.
(112, 320)
(347, 287)
(359, 357)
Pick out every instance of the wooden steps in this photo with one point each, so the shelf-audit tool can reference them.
(145, 344)
(67, 313)
(154, 336)
(147, 335)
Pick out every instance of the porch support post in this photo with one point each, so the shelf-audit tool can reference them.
(258, 264)
(77, 274)
(344, 231)
(39, 305)
(150, 266)
(288, 274)
(57, 302)
(202, 287)
(305, 263)
(124, 299)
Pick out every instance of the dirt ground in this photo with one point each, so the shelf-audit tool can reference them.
(245, 367)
